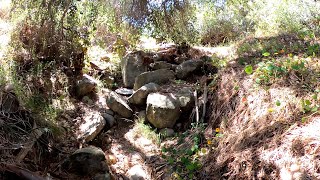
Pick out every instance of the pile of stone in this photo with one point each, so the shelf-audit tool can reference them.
(146, 79)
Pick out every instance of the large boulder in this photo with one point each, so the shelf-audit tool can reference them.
(87, 162)
(163, 110)
(119, 105)
(85, 85)
(132, 65)
(187, 68)
(185, 98)
(160, 65)
(140, 96)
(160, 76)
(91, 126)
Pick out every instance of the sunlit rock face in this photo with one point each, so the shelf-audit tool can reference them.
(140, 96)
(85, 85)
(160, 76)
(92, 125)
(163, 110)
(119, 105)
(131, 66)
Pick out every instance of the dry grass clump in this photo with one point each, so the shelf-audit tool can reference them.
(260, 127)
(5, 9)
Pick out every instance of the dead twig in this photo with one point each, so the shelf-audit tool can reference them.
(205, 99)
(35, 136)
(23, 173)
(196, 106)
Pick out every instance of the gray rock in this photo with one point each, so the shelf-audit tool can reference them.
(109, 111)
(180, 59)
(163, 110)
(185, 98)
(85, 85)
(142, 116)
(124, 91)
(91, 126)
(160, 65)
(131, 66)
(140, 96)
(87, 161)
(137, 173)
(186, 68)
(174, 67)
(167, 132)
(119, 105)
(109, 119)
(87, 100)
(160, 76)
(105, 176)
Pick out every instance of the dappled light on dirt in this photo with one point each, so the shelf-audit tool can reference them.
(297, 151)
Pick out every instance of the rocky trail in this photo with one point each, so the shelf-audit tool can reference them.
(163, 90)
(166, 112)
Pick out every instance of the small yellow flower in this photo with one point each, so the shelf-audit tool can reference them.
(270, 110)
(217, 130)
(209, 142)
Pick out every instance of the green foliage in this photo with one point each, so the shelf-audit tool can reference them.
(146, 131)
(266, 54)
(183, 157)
(313, 50)
(248, 69)
(173, 21)
(270, 70)
(308, 106)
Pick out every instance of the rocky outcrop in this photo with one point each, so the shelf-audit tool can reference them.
(92, 125)
(87, 162)
(119, 105)
(187, 68)
(139, 97)
(160, 76)
(85, 85)
(163, 110)
(132, 65)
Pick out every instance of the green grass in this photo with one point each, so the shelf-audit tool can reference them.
(145, 130)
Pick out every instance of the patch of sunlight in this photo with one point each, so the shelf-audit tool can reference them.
(63, 103)
(5, 4)
(148, 43)
(221, 52)
(279, 99)
(96, 52)
(300, 146)
(145, 145)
